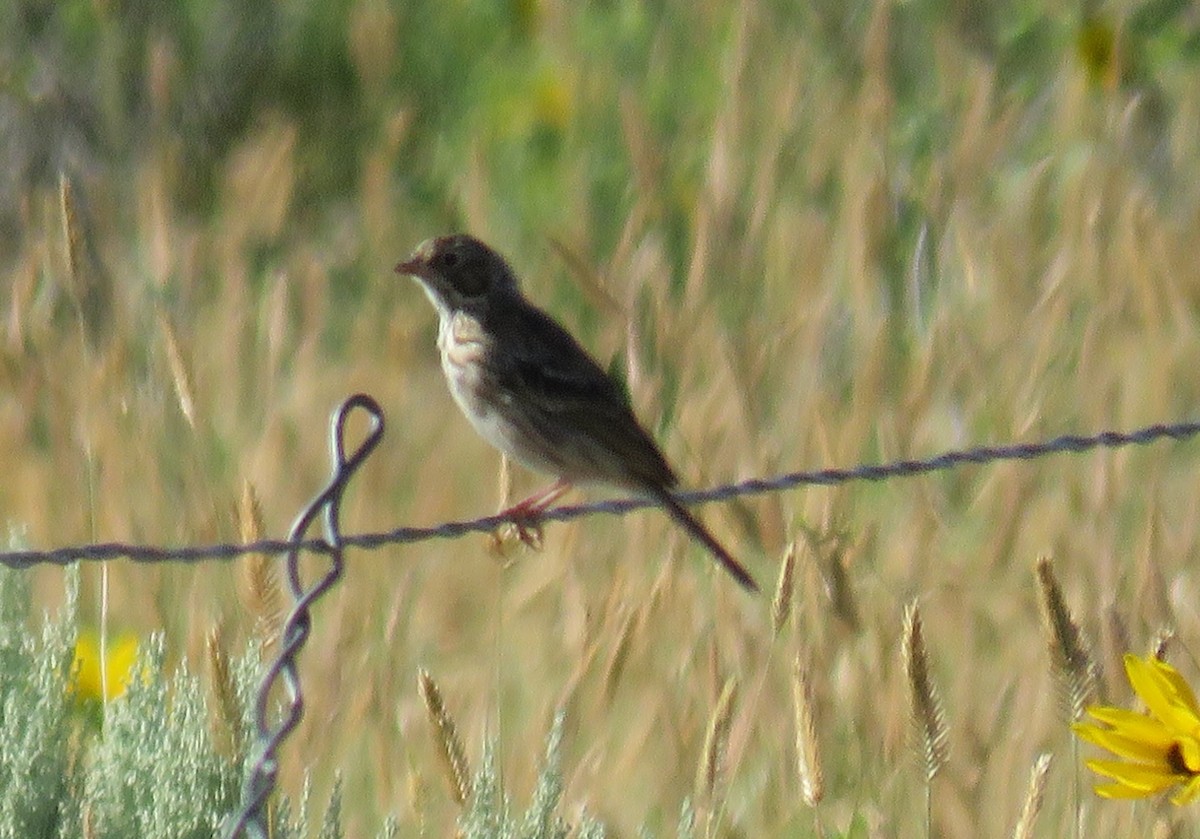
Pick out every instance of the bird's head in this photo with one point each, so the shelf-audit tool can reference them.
(459, 272)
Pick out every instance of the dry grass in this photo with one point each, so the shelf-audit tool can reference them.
(929, 718)
(227, 713)
(785, 590)
(261, 592)
(1033, 798)
(445, 735)
(1070, 652)
(787, 320)
(808, 744)
(714, 752)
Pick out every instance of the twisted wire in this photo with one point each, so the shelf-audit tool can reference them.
(978, 455)
(250, 819)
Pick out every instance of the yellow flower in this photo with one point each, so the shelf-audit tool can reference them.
(552, 104)
(1159, 750)
(1096, 46)
(102, 681)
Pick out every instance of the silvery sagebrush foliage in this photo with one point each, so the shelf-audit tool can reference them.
(150, 767)
(488, 816)
(37, 773)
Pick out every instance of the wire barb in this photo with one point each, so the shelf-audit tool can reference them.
(980, 455)
(250, 820)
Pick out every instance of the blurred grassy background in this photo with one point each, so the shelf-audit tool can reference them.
(810, 234)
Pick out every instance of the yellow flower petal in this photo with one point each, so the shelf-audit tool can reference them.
(103, 680)
(86, 667)
(1159, 693)
(1130, 724)
(1144, 750)
(1188, 754)
(1147, 779)
(118, 670)
(1181, 689)
(1118, 791)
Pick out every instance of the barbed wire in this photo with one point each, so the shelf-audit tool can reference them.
(977, 455)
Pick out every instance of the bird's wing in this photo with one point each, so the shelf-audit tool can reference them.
(549, 373)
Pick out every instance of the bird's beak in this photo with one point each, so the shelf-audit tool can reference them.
(417, 263)
(410, 266)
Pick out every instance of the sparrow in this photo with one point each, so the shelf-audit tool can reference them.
(531, 390)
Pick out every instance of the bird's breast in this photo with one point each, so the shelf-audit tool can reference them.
(462, 340)
(464, 348)
(492, 410)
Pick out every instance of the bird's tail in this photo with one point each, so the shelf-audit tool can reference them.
(689, 522)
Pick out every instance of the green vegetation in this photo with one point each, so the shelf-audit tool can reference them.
(808, 234)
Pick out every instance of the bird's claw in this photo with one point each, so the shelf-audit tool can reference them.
(529, 532)
(525, 524)
(524, 519)
(526, 530)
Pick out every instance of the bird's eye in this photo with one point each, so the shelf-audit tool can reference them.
(449, 259)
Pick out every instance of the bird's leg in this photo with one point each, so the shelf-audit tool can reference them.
(525, 514)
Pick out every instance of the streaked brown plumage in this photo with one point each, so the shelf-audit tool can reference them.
(533, 392)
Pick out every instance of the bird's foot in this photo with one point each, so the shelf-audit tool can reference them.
(528, 532)
(524, 518)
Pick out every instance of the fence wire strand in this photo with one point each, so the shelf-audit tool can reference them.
(978, 455)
